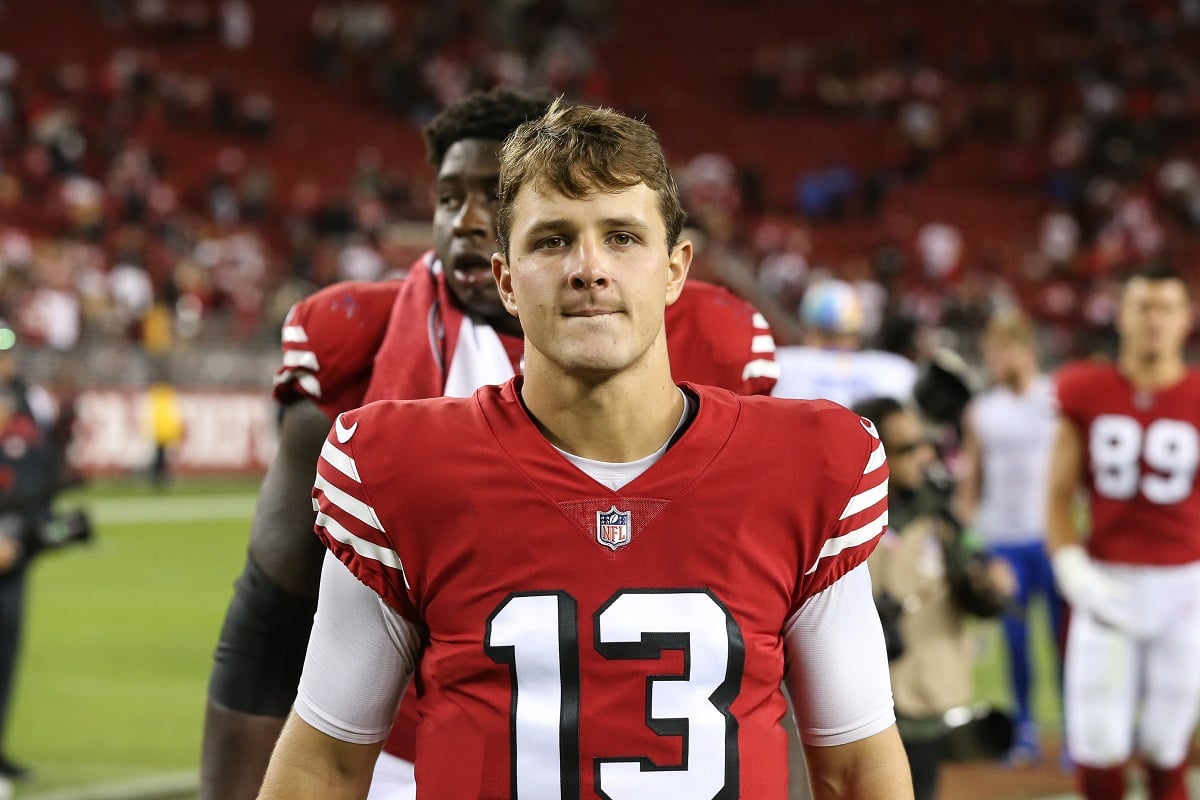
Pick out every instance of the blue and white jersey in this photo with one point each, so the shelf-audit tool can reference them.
(1016, 436)
(843, 376)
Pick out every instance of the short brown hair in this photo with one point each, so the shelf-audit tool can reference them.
(1010, 326)
(1156, 272)
(578, 150)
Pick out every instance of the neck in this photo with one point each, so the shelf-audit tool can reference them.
(1018, 381)
(616, 418)
(1151, 371)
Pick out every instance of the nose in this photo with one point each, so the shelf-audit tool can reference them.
(474, 218)
(587, 267)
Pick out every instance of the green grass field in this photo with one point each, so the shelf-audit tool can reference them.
(120, 633)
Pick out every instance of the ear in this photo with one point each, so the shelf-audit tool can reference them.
(677, 269)
(503, 278)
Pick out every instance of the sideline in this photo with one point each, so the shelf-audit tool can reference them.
(163, 786)
(152, 508)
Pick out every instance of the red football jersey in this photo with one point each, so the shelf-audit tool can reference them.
(328, 343)
(355, 342)
(583, 642)
(1142, 451)
(718, 339)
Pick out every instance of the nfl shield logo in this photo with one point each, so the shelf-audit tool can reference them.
(613, 528)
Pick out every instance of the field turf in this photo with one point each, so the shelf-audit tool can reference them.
(120, 632)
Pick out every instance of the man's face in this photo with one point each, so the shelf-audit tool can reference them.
(1155, 318)
(590, 278)
(464, 224)
(908, 450)
(1006, 360)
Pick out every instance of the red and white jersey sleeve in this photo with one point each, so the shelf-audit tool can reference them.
(717, 339)
(1141, 458)
(858, 485)
(347, 520)
(329, 341)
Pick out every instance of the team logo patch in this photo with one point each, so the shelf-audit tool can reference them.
(613, 528)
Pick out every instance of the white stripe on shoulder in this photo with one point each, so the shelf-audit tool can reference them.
(854, 538)
(308, 382)
(301, 358)
(762, 343)
(294, 334)
(340, 460)
(384, 555)
(352, 506)
(865, 499)
(878, 456)
(760, 368)
(759, 321)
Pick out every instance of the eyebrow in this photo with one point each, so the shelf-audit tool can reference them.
(545, 226)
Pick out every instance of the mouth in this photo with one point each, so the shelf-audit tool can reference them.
(473, 271)
(590, 312)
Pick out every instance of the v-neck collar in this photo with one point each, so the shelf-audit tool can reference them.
(683, 463)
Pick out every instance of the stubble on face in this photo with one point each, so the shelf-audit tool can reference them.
(589, 276)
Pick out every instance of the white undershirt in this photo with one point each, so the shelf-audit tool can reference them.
(362, 652)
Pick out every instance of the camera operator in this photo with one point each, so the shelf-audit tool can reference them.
(31, 474)
(928, 580)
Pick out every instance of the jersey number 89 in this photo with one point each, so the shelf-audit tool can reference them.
(1118, 447)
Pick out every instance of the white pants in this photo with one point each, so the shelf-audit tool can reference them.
(1141, 689)
(393, 779)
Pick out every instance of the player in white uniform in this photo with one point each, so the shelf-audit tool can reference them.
(830, 364)
(1008, 432)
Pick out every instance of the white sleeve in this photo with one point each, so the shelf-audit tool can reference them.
(360, 658)
(837, 670)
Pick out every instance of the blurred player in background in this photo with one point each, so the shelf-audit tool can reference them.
(1008, 432)
(597, 599)
(1128, 434)
(442, 331)
(831, 363)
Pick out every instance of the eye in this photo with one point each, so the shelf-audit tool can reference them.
(449, 201)
(623, 239)
(551, 242)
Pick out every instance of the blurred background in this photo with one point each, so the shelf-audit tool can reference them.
(174, 174)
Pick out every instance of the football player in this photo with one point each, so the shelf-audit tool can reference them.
(595, 596)
(1128, 435)
(442, 331)
(831, 364)
(1008, 431)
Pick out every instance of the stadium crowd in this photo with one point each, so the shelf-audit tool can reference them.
(102, 235)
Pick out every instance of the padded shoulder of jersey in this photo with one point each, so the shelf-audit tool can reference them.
(718, 339)
(329, 341)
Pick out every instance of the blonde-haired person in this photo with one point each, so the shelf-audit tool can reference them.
(1008, 433)
(597, 591)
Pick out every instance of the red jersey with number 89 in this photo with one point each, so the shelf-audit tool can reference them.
(1141, 452)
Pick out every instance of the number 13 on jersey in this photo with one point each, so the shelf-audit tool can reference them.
(537, 636)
